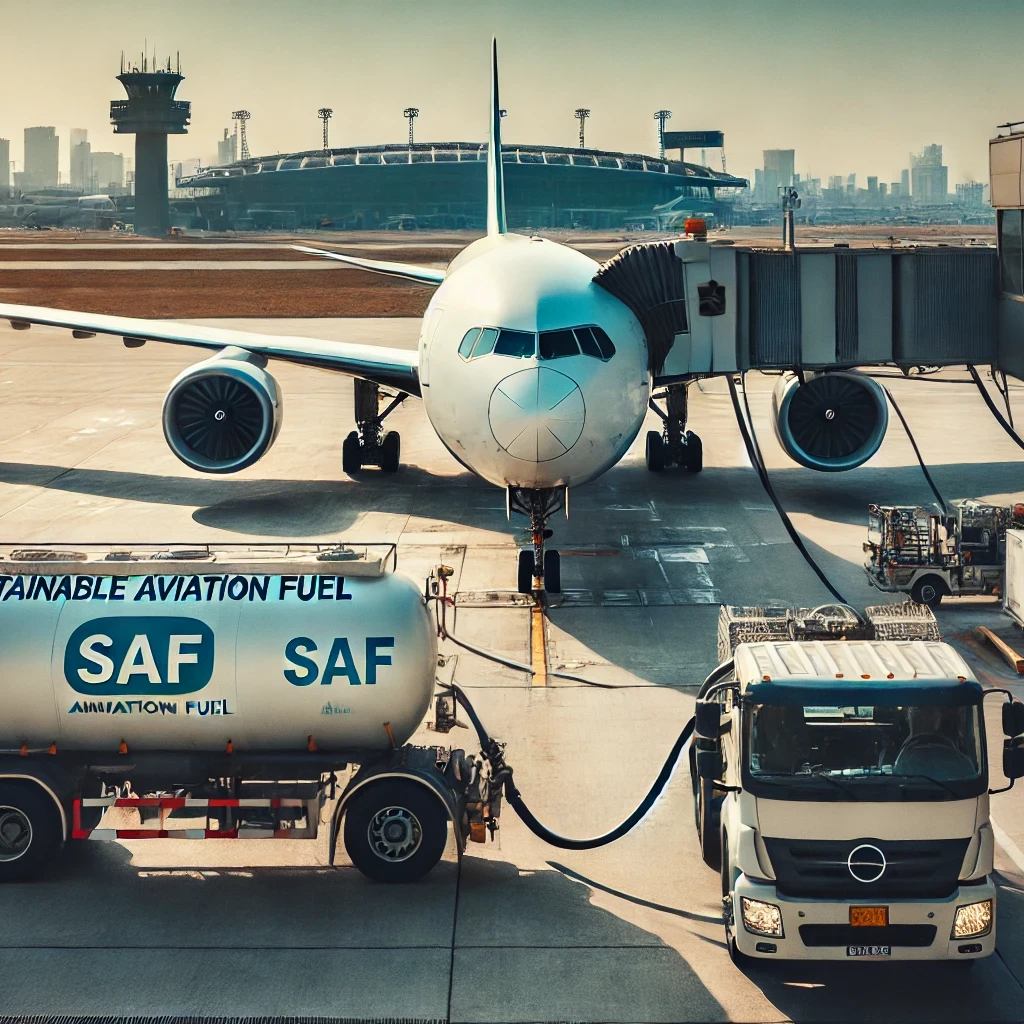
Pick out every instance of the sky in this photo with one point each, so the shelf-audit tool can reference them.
(852, 86)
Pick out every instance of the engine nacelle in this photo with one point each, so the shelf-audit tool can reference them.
(223, 414)
(832, 422)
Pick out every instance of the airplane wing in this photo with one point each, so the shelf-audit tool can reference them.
(390, 367)
(422, 275)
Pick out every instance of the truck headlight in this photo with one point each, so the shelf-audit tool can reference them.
(973, 919)
(762, 918)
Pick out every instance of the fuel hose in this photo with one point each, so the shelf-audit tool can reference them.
(494, 753)
(1000, 419)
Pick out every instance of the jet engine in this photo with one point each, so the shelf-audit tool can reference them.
(832, 421)
(223, 414)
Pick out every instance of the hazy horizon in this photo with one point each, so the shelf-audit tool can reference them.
(849, 90)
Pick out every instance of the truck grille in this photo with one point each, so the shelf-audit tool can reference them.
(916, 869)
(891, 935)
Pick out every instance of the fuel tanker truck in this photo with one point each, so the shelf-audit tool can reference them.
(229, 693)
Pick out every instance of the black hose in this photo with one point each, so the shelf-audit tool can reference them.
(754, 454)
(917, 451)
(494, 754)
(992, 407)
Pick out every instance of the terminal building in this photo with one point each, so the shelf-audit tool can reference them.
(443, 186)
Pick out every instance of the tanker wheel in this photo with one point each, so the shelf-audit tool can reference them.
(395, 831)
(709, 825)
(30, 831)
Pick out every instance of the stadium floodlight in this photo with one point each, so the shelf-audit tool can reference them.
(581, 115)
(325, 113)
(241, 116)
(661, 116)
(411, 113)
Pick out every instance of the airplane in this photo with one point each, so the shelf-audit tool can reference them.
(536, 366)
(40, 211)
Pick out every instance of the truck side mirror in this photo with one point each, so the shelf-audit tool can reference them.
(709, 763)
(707, 746)
(1013, 718)
(1013, 758)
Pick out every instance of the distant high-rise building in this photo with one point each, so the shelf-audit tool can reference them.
(970, 193)
(851, 184)
(928, 177)
(835, 182)
(883, 189)
(896, 189)
(81, 160)
(781, 163)
(5, 163)
(227, 148)
(905, 183)
(872, 185)
(41, 158)
(107, 171)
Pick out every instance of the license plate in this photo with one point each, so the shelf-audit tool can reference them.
(869, 950)
(869, 917)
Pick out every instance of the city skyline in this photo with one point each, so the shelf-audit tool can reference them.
(863, 103)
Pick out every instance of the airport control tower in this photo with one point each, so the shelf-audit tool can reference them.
(150, 113)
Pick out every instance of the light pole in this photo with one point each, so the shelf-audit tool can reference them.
(581, 115)
(661, 116)
(241, 116)
(411, 113)
(325, 113)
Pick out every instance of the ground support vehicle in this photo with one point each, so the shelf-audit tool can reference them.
(930, 555)
(841, 791)
(1013, 591)
(229, 693)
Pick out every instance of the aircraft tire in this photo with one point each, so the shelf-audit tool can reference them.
(525, 572)
(552, 572)
(351, 457)
(654, 452)
(391, 452)
(694, 452)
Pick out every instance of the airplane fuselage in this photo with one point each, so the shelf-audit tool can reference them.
(516, 372)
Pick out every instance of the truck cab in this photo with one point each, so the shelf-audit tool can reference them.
(841, 789)
(930, 554)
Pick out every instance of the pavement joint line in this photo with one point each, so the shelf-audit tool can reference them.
(538, 645)
(1010, 848)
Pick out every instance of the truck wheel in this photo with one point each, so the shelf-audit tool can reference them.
(30, 832)
(395, 831)
(929, 590)
(740, 960)
(709, 825)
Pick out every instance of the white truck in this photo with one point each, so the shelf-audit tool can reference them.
(841, 789)
(190, 692)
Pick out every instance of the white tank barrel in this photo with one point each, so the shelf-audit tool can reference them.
(262, 650)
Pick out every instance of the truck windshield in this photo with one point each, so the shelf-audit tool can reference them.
(928, 744)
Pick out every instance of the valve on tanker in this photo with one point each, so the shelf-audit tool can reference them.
(445, 714)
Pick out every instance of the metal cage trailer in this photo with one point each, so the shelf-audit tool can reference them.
(931, 555)
(236, 692)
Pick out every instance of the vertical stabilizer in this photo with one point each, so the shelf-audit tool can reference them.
(495, 171)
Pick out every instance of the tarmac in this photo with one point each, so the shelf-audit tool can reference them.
(518, 931)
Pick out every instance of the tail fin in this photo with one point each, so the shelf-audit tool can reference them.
(495, 171)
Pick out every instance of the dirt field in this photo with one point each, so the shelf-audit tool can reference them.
(338, 292)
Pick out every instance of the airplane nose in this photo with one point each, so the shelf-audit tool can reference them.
(537, 414)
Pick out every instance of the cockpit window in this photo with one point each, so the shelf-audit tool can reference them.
(520, 344)
(466, 345)
(556, 344)
(488, 336)
(591, 341)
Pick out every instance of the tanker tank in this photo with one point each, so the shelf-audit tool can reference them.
(263, 649)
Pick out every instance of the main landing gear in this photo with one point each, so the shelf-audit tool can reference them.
(370, 445)
(675, 445)
(539, 569)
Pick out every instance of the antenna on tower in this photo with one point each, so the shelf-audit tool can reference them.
(324, 113)
(661, 116)
(581, 115)
(411, 113)
(241, 116)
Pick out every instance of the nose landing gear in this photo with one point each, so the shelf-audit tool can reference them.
(370, 445)
(539, 568)
(674, 445)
